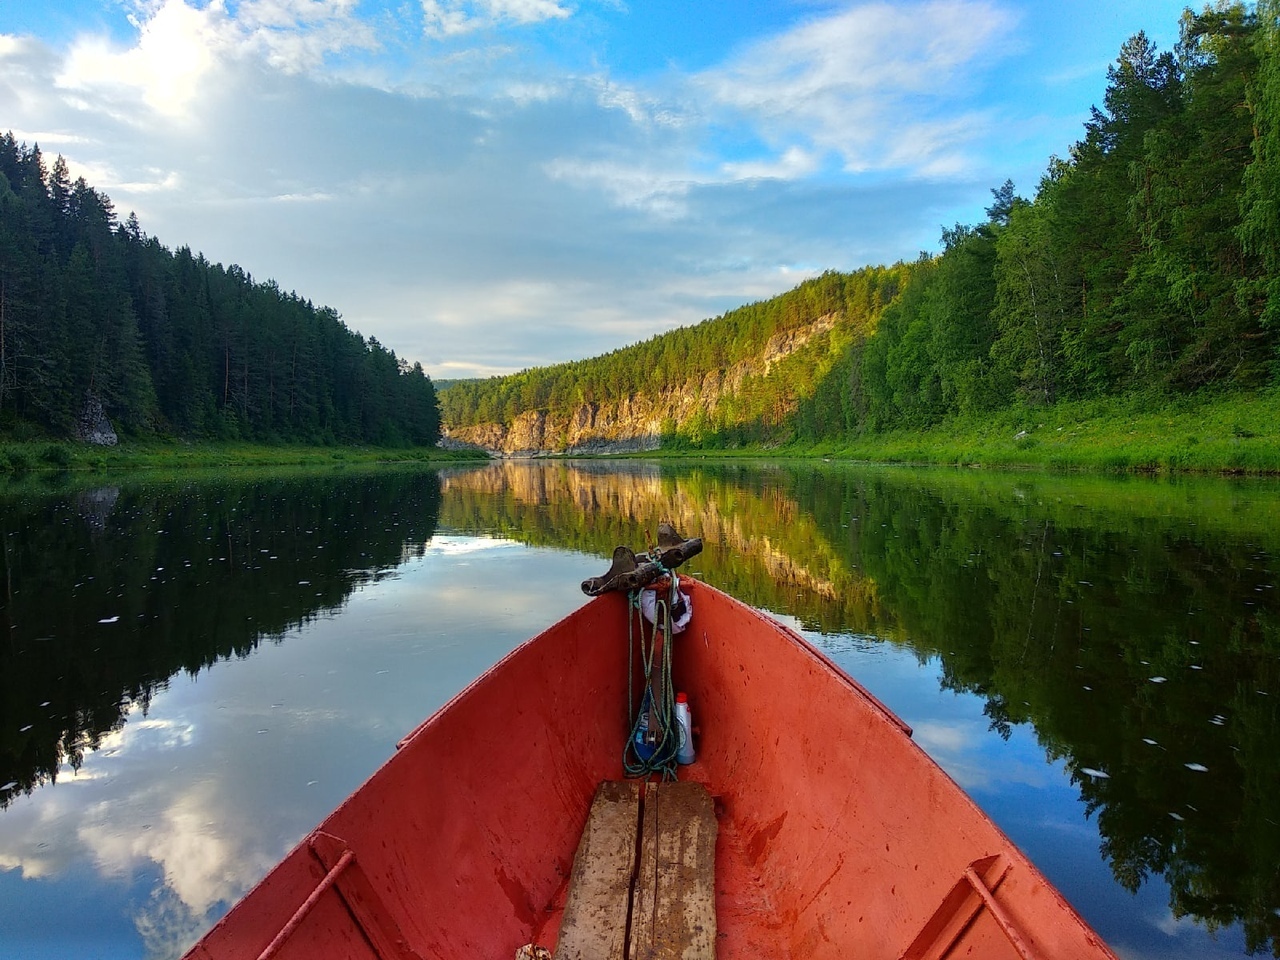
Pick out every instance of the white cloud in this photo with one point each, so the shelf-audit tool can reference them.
(297, 35)
(460, 546)
(180, 47)
(879, 84)
(795, 163)
(448, 18)
(176, 50)
(945, 739)
(628, 183)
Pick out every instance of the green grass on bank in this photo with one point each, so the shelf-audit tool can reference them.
(1233, 434)
(1237, 434)
(45, 456)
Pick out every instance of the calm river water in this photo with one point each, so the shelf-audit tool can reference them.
(193, 673)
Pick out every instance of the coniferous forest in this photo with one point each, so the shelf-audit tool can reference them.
(1147, 261)
(169, 343)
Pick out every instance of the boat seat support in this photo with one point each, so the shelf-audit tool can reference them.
(960, 907)
(366, 908)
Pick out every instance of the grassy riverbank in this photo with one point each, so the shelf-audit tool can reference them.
(1237, 434)
(43, 456)
(1135, 434)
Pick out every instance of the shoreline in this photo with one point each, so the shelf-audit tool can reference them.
(1233, 435)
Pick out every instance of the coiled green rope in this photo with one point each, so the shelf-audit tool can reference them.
(663, 758)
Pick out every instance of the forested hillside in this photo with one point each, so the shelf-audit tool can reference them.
(1150, 258)
(1147, 261)
(170, 343)
(762, 372)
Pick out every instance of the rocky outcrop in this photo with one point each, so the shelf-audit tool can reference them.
(628, 424)
(93, 425)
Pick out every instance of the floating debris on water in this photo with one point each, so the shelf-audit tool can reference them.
(1151, 742)
(1099, 774)
(1197, 767)
(10, 785)
(108, 619)
(26, 728)
(1177, 816)
(1157, 679)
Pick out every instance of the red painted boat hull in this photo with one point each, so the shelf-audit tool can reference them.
(838, 835)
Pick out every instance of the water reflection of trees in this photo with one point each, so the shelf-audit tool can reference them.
(759, 543)
(1135, 626)
(105, 594)
(1143, 646)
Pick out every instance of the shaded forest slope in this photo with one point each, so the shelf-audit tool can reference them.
(169, 343)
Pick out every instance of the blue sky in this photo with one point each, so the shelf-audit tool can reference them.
(487, 185)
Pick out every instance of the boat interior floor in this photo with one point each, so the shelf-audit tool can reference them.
(643, 883)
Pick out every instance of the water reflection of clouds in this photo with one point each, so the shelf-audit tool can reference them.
(964, 749)
(119, 816)
(182, 810)
(461, 546)
(147, 732)
(200, 866)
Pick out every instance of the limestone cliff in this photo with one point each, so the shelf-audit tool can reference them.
(632, 423)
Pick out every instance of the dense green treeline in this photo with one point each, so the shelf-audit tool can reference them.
(1147, 259)
(686, 357)
(1147, 262)
(170, 343)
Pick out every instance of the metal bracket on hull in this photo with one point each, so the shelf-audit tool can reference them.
(363, 904)
(959, 908)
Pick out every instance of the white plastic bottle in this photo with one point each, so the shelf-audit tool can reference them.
(685, 722)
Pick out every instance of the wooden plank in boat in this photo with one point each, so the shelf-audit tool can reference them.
(595, 916)
(673, 913)
(645, 897)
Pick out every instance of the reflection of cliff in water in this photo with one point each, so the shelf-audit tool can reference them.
(108, 593)
(1134, 625)
(758, 543)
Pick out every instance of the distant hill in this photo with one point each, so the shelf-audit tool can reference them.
(762, 373)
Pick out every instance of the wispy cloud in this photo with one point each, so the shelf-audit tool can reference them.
(881, 85)
(180, 47)
(448, 18)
